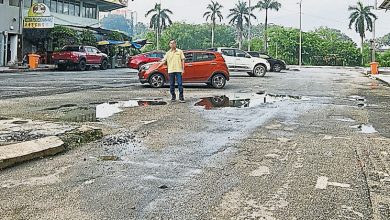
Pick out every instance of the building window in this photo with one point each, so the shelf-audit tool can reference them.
(89, 11)
(66, 7)
(14, 3)
(71, 7)
(47, 3)
(1, 1)
(77, 9)
(59, 7)
(27, 3)
(53, 6)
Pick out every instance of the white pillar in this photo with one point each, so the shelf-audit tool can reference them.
(2, 49)
(14, 48)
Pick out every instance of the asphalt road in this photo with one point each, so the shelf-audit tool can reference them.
(310, 144)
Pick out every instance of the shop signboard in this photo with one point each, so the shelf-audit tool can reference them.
(38, 17)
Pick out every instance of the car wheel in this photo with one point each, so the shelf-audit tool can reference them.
(259, 71)
(157, 80)
(62, 67)
(218, 81)
(277, 68)
(104, 65)
(82, 65)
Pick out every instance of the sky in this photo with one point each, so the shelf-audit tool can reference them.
(315, 13)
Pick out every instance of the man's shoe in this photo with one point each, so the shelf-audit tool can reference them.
(173, 100)
(182, 101)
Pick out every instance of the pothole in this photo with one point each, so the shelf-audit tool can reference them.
(366, 129)
(60, 107)
(106, 110)
(242, 100)
(19, 122)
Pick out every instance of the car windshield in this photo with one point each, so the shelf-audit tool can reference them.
(71, 48)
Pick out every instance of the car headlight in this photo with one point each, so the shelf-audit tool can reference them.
(145, 66)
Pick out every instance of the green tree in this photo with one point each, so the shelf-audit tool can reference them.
(214, 12)
(87, 38)
(159, 21)
(267, 5)
(117, 23)
(63, 36)
(363, 19)
(238, 16)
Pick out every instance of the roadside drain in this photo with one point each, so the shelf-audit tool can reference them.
(242, 100)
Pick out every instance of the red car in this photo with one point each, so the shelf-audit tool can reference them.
(81, 57)
(200, 67)
(137, 61)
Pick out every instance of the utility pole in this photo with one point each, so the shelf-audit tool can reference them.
(373, 34)
(249, 28)
(300, 34)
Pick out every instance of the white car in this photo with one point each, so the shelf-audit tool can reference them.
(240, 61)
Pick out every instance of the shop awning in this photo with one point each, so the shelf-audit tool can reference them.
(385, 5)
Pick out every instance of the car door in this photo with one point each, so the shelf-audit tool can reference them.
(204, 65)
(243, 61)
(96, 56)
(89, 55)
(230, 58)
(189, 68)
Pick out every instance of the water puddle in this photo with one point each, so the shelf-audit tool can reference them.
(366, 129)
(106, 110)
(81, 114)
(242, 100)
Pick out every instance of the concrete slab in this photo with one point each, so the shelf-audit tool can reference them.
(383, 78)
(16, 153)
(18, 130)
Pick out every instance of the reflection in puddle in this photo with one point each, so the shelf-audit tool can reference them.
(106, 110)
(366, 129)
(242, 101)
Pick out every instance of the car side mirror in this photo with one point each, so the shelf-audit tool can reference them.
(98, 52)
(248, 56)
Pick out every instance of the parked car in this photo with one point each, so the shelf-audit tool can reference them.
(81, 57)
(135, 62)
(200, 67)
(276, 64)
(240, 61)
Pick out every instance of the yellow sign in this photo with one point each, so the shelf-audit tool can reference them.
(39, 16)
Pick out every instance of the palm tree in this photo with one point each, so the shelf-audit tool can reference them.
(159, 21)
(214, 12)
(267, 5)
(363, 19)
(239, 15)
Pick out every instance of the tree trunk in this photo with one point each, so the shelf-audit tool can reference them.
(158, 38)
(361, 50)
(265, 32)
(240, 40)
(212, 34)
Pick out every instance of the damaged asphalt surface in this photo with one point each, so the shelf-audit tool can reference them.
(291, 145)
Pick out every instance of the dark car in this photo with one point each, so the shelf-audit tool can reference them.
(135, 62)
(276, 64)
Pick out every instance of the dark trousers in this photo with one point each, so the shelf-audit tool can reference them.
(176, 77)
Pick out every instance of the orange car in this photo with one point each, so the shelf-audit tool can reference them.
(200, 67)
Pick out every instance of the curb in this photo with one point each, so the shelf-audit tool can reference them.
(27, 70)
(47, 146)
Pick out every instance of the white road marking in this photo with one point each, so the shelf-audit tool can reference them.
(323, 182)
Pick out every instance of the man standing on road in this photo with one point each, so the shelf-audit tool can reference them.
(175, 60)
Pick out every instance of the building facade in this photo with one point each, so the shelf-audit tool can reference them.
(10, 30)
(77, 14)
